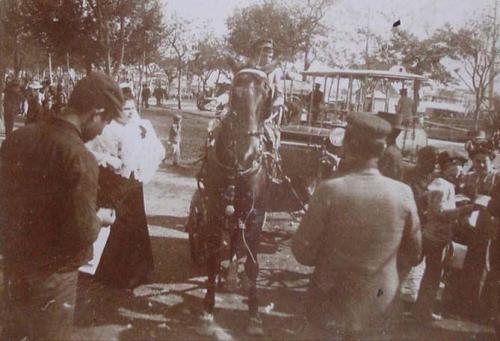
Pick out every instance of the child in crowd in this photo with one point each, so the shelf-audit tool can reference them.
(174, 139)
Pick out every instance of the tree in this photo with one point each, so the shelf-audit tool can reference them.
(178, 46)
(472, 48)
(310, 17)
(94, 32)
(208, 57)
(271, 19)
(419, 56)
(169, 66)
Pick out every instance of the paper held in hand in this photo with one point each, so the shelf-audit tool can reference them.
(481, 200)
(98, 248)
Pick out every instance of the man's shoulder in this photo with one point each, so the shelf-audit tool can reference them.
(21, 136)
(440, 184)
(393, 150)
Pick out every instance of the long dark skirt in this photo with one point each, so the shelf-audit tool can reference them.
(127, 259)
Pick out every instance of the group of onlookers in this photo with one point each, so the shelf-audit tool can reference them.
(375, 241)
(62, 178)
(159, 93)
(32, 99)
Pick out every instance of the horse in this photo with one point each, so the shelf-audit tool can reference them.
(235, 181)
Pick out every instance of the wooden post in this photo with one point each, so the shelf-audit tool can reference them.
(50, 67)
(324, 101)
(386, 106)
(309, 114)
(349, 94)
(337, 93)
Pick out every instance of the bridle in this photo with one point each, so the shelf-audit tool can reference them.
(258, 133)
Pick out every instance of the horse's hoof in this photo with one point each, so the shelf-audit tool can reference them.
(232, 277)
(208, 327)
(255, 327)
(206, 324)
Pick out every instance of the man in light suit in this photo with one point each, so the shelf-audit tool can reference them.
(358, 231)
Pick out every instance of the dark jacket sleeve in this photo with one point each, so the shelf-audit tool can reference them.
(81, 207)
(411, 244)
(494, 204)
(390, 164)
(113, 188)
(307, 240)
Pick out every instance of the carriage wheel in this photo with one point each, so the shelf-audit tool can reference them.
(196, 226)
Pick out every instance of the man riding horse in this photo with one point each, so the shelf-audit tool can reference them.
(262, 59)
(233, 182)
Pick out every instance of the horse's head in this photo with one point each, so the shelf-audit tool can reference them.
(250, 98)
(250, 102)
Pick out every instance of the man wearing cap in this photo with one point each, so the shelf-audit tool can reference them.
(479, 184)
(12, 105)
(405, 107)
(145, 94)
(48, 214)
(315, 101)
(35, 98)
(262, 59)
(441, 219)
(357, 229)
(391, 162)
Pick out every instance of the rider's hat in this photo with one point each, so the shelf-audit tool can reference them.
(265, 43)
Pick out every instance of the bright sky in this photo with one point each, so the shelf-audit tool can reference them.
(418, 16)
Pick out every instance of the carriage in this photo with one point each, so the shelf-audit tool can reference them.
(311, 151)
(304, 143)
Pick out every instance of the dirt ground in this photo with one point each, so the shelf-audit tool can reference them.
(167, 308)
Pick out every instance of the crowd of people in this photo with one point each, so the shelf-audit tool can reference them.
(32, 99)
(377, 233)
(63, 176)
(376, 242)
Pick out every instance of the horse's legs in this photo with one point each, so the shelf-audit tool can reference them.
(213, 267)
(252, 263)
(252, 271)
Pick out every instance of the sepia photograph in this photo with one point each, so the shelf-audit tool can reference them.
(249, 170)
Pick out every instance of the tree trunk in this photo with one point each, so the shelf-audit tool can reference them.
(416, 96)
(17, 59)
(477, 108)
(204, 86)
(307, 63)
(122, 46)
(179, 76)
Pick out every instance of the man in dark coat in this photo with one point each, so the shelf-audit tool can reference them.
(391, 162)
(12, 105)
(145, 94)
(48, 194)
(357, 230)
(315, 102)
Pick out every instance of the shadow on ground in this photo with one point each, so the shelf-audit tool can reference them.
(168, 307)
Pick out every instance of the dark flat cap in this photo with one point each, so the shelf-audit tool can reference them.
(97, 91)
(367, 126)
(427, 153)
(450, 156)
(395, 120)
